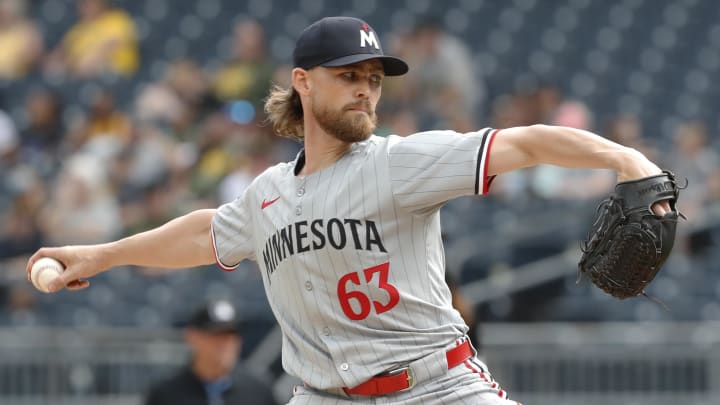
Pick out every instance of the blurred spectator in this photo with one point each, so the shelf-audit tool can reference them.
(282, 76)
(444, 83)
(552, 182)
(574, 114)
(158, 104)
(402, 122)
(10, 158)
(151, 157)
(551, 107)
(178, 102)
(233, 185)
(213, 376)
(103, 118)
(546, 100)
(81, 208)
(215, 159)
(248, 72)
(19, 234)
(512, 110)
(44, 129)
(22, 305)
(151, 210)
(20, 40)
(102, 42)
(695, 160)
(627, 130)
(250, 153)
(9, 142)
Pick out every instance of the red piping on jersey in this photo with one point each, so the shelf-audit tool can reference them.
(477, 371)
(487, 181)
(494, 385)
(473, 367)
(215, 253)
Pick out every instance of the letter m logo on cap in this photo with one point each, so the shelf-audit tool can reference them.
(368, 37)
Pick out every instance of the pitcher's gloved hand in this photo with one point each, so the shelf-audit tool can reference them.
(629, 243)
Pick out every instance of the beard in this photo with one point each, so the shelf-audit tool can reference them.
(344, 125)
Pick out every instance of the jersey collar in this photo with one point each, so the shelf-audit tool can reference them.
(299, 162)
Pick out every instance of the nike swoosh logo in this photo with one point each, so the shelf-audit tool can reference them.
(266, 203)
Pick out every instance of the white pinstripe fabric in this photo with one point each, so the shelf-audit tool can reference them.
(394, 186)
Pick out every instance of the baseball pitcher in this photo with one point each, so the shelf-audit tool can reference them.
(347, 235)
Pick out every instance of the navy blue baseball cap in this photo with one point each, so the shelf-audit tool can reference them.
(341, 41)
(217, 316)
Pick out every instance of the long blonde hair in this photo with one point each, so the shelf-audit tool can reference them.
(284, 110)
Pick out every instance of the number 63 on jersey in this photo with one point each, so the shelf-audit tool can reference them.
(364, 305)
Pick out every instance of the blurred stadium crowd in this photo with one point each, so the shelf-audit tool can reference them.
(116, 116)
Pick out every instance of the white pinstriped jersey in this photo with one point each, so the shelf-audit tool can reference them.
(351, 255)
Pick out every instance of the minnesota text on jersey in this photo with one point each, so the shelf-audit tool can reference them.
(334, 232)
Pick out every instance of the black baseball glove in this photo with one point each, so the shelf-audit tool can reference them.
(628, 243)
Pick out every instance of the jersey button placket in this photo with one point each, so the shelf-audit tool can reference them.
(299, 192)
(308, 286)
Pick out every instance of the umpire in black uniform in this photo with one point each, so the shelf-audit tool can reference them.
(213, 376)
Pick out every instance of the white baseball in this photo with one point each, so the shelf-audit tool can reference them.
(44, 271)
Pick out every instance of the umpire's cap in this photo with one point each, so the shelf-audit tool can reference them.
(341, 41)
(217, 316)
